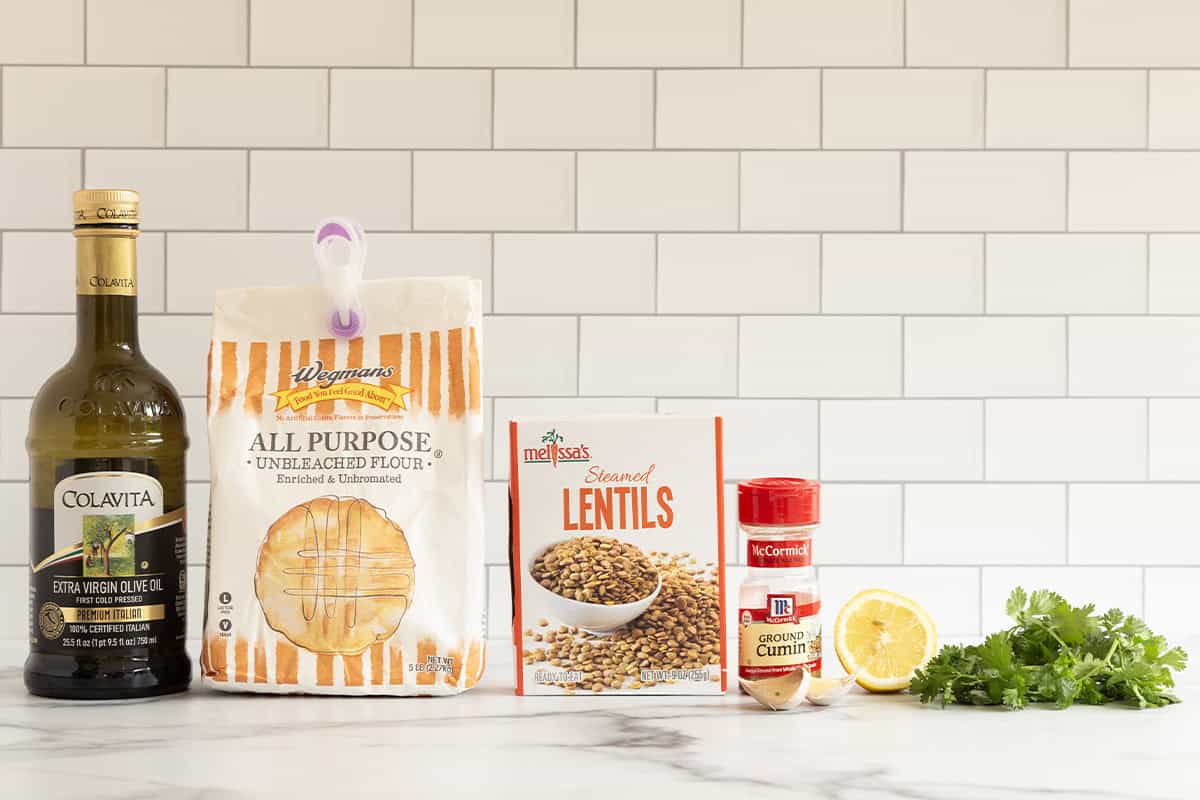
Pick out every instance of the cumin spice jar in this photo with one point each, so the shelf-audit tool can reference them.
(779, 604)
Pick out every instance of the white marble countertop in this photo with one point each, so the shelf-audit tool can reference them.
(489, 743)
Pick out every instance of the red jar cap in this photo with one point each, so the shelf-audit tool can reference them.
(779, 501)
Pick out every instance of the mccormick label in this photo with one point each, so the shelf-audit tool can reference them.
(780, 636)
(116, 577)
(774, 553)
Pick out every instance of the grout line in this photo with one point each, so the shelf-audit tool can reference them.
(903, 33)
(85, 31)
(1067, 31)
(412, 32)
(799, 66)
(1138, 150)
(667, 231)
(249, 22)
(742, 33)
(575, 34)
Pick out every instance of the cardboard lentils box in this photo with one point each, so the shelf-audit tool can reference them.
(617, 555)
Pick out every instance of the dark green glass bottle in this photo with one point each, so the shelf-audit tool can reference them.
(108, 548)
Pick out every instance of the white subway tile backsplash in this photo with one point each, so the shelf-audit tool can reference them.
(659, 33)
(576, 273)
(37, 274)
(201, 263)
(47, 178)
(1174, 440)
(986, 33)
(509, 408)
(820, 357)
(985, 191)
(196, 417)
(761, 437)
(902, 274)
(1066, 274)
(949, 594)
(181, 345)
(493, 190)
(441, 108)
(197, 534)
(1106, 587)
(902, 108)
(803, 33)
(530, 355)
(1057, 108)
(897, 440)
(46, 343)
(76, 106)
(1174, 116)
(311, 33)
(730, 108)
(657, 191)
(294, 189)
(482, 33)
(985, 524)
(14, 504)
(860, 524)
(556, 109)
(1135, 524)
(1172, 597)
(166, 32)
(926, 250)
(820, 191)
(180, 189)
(1174, 280)
(1135, 191)
(1135, 356)
(984, 357)
(1066, 440)
(658, 356)
(14, 602)
(225, 108)
(778, 273)
(45, 32)
(14, 425)
(1132, 33)
(499, 607)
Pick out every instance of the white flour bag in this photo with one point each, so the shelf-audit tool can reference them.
(346, 450)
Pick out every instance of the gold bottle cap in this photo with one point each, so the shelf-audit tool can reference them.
(106, 207)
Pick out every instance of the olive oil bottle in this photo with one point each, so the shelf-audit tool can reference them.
(108, 550)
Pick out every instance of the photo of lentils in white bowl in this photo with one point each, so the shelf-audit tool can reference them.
(596, 569)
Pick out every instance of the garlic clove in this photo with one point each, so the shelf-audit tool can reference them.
(827, 691)
(781, 692)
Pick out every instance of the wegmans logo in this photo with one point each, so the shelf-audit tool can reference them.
(553, 451)
(341, 384)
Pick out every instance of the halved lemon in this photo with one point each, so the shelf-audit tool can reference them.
(884, 638)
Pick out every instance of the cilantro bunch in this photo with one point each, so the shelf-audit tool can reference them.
(1056, 653)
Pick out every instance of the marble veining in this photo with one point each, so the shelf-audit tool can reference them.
(489, 743)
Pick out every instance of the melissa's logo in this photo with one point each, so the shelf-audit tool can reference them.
(554, 451)
(341, 384)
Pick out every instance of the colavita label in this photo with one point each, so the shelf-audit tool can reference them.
(779, 637)
(106, 266)
(116, 577)
(775, 553)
